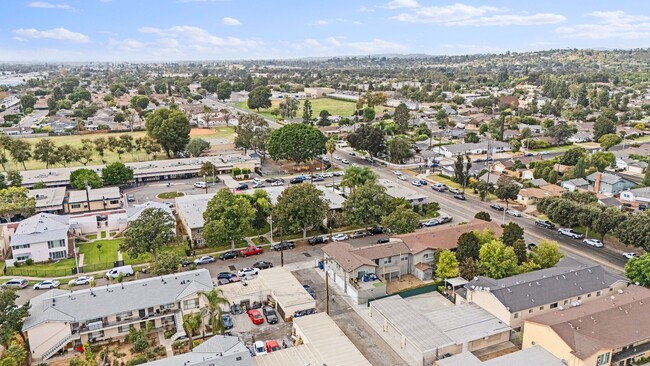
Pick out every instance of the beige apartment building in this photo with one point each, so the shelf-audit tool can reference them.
(62, 320)
(100, 199)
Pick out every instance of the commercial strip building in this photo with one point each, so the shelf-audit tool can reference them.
(65, 319)
(423, 328)
(399, 191)
(319, 341)
(611, 330)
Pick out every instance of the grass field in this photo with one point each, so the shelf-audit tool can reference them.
(170, 195)
(336, 107)
(109, 156)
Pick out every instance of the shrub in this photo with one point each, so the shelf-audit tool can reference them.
(138, 360)
(160, 351)
(29, 261)
(236, 171)
(483, 216)
(16, 264)
(246, 171)
(245, 176)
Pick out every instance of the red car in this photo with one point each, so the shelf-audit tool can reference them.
(272, 346)
(255, 316)
(251, 250)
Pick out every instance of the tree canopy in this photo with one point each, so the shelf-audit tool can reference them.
(252, 132)
(366, 204)
(259, 97)
(227, 219)
(298, 142)
(80, 177)
(15, 201)
(368, 138)
(446, 265)
(299, 208)
(117, 173)
(170, 128)
(496, 260)
(197, 146)
(150, 232)
(401, 220)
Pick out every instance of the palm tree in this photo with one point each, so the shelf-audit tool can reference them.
(330, 146)
(356, 176)
(214, 299)
(191, 323)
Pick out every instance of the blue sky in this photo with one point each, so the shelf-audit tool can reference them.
(170, 30)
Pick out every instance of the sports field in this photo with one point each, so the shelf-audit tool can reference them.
(336, 107)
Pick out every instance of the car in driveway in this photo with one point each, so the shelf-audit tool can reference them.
(310, 291)
(16, 283)
(259, 348)
(359, 234)
(272, 346)
(47, 284)
(320, 239)
(227, 321)
(251, 250)
(570, 233)
(81, 280)
(255, 316)
(630, 255)
(226, 276)
(130, 197)
(204, 260)
(231, 254)
(513, 213)
(439, 187)
(496, 206)
(263, 265)
(247, 271)
(594, 243)
(545, 223)
(270, 314)
(340, 237)
(459, 196)
(284, 245)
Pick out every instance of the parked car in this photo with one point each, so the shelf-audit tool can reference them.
(345, 161)
(236, 309)
(320, 239)
(270, 314)
(317, 178)
(270, 180)
(397, 172)
(570, 233)
(496, 206)
(459, 196)
(130, 197)
(454, 190)
(200, 184)
(263, 265)
(284, 245)
(277, 183)
(423, 182)
(125, 271)
(272, 346)
(445, 219)
(340, 237)
(251, 250)
(336, 157)
(630, 255)
(376, 230)
(401, 177)
(259, 348)
(383, 240)
(594, 243)
(300, 313)
(416, 183)
(242, 187)
(359, 234)
(229, 255)
(545, 223)
(310, 290)
(16, 283)
(226, 275)
(258, 185)
(185, 263)
(296, 180)
(339, 173)
(439, 187)
(513, 213)
(531, 246)
(82, 280)
(429, 223)
(204, 260)
(246, 271)
(227, 321)
(47, 284)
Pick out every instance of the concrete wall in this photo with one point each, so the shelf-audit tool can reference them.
(542, 335)
(45, 336)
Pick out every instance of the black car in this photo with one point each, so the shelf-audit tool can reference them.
(185, 263)
(459, 196)
(284, 245)
(318, 240)
(531, 246)
(263, 265)
(383, 241)
(242, 187)
(497, 207)
(296, 180)
(300, 313)
(227, 321)
(226, 275)
(376, 230)
(270, 315)
(229, 255)
(545, 223)
(236, 309)
(270, 180)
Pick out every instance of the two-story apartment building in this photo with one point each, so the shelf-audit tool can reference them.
(190, 210)
(518, 298)
(61, 319)
(42, 237)
(100, 199)
(612, 330)
(49, 200)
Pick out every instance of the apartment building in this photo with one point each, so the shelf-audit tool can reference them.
(42, 237)
(65, 319)
(100, 199)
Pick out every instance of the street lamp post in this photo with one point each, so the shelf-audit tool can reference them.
(206, 184)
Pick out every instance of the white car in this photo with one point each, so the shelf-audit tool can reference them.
(200, 184)
(82, 280)
(340, 237)
(345, 161)
(277, 183)
(204, 260)
(594, 243)
(397, 172)
(630, 255)
(47, 284)
(401, 177)
(259, 348)
(336, 157)
(327, 175)
(513, 213)
(570, 233)
(247, 271)
(416, 183)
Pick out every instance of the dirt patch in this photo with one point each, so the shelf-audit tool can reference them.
(201, 132)
(404, 282)
(498, 353)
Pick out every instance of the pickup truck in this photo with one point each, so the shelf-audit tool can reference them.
(251, 251)
(545, 223)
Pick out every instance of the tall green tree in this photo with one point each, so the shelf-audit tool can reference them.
(399, 150)
(307, 112)
(462, 170)
(214, 302)
(573, 155)
(45, 151)
(21, 151)
(227, 219)
(166, 263)
(299, 208)
(447, 265)
(15, 355)
(149, 233)
(260, 97)
(253, 132)
(507, 190)
(117, 173)
(83, 177)
(289, 107)
(646, 178)
(170, 128)
(468, 246)
(369, 114)
(635, 231)
(261, 202)
(546, 254)
(607, 221)
(355, 176)
(368, 138)
(638, 270)
(605, 124)
(496, 260)
(401, 220)
(469, 268)
(366, 204)
(609, 140)
(579, 170)
(11, 316)
(297, 142)
(401, 117)
(15, 201)
(511, 233)
(197, 146)
(224, 90)
(14, 178)
(192, 323)
(27, 101)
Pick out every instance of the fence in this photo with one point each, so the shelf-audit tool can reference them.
(412, 292)
(45, 272)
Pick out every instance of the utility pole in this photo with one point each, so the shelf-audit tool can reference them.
(281, 248)
(327, 291)
(87, 194)
(206, 184)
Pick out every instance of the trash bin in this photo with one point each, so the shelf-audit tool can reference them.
(320, 265)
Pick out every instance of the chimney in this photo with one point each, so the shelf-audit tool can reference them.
(597, 185)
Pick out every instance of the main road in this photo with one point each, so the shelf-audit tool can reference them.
(465, 211)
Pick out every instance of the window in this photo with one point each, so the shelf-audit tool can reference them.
(95, 335)
(598, 293)
(115, 202)
(24, 246)
(566, 302)
(58, 255)
(516, 315)
(553, 305)
(541, 308)
(603, 359)
(427, 255)
(75, 206)
(123, 329)
(55, 244)
(405, 258)
(388, 260)
(530, 311)
(123, 316)
(191, 304)
(167, 306)
(579, 297)
(22, 257)
(588, 295)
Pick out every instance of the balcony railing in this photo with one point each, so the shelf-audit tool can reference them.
(135, 319)
(630, 352)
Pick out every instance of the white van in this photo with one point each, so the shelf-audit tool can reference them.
(124, 270)
(200, 184)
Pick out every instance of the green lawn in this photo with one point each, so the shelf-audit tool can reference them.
(554, 148)
(336, 107)
(443, 180)
(108, 253)
(170, 195)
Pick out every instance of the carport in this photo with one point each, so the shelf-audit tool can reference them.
(286, 291)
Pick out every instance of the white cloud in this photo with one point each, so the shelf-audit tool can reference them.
(322, 22)
(230, 21)
(197, 36)
(609, 25)
(58, 34)
(341, 46)
(46, 5)
(128, 44)
(469, 15)
(365, 9)
(396, 4)
(356, 22)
